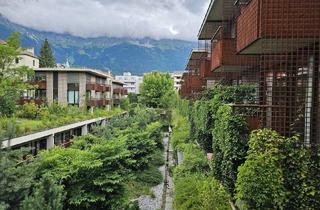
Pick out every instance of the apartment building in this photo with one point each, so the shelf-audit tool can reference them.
(273, 45)
(70, 86)
(118, 92)
(177, 79)
(131, 82)
(27, 58)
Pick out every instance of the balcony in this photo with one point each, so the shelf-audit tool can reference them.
(275, 26)
(41, 84)
(224, 57)
(116, 90)
(37, 101)
(205, 70)
(251, 113)
(98, 87)
(98, 102)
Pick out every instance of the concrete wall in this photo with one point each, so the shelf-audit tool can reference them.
(49, 77)
(62, 88)
(82, 90)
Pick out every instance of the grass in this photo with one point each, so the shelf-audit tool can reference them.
(47, 118)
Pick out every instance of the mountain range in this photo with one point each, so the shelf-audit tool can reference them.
(106, 53)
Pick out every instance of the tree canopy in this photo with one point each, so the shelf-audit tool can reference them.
(157, 89)
(46, 58)
(11, 77)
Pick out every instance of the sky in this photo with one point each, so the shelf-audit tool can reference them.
(157, 19)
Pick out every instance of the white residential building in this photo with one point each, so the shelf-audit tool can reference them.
(177, 77)
(132, 82)
(27, 58)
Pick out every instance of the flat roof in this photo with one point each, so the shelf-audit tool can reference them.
(194, 57)
(218, 11)
(118, 82)
(75, 70)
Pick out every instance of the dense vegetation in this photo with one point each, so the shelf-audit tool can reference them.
(259, 171)
(195, 188)
(101, 171)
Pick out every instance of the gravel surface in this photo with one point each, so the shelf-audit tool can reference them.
(148, 203)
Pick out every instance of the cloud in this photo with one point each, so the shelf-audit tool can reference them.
(173, 19)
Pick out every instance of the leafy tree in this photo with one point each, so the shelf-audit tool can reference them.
(47, 195)
(17, 177)
(156, 89)
(46, 59)
(11, 77)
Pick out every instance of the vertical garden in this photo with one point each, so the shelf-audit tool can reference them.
(230, 165)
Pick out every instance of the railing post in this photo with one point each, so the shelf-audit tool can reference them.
(50, 141)
(84, 130)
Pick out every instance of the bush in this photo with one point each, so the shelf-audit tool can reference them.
(180, 133)
(279, 173)
(28, 110)
(194, 161)
(197, 191)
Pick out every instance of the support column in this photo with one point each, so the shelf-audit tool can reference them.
(84, 130)
(50, 141)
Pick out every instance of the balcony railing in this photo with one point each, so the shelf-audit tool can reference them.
(251, 112)
(98, 87)
(277, 26)
(42, 84)
(37, 101)
(224, 55)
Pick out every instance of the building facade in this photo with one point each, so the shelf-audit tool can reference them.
(131, 82)
(177, 79)
(272, 45)
(27, 58)
(76, 87)
(119, 91)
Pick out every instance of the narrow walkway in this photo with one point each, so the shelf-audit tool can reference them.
(146, 202)
(168, 183)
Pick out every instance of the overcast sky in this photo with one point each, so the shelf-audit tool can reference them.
(178, 19)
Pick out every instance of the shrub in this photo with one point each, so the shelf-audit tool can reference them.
(197, 191)
(230, 144)
(194, 161)
(279, 173)
(28, 110)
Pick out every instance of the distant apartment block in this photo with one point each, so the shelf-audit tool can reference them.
(72, 86)
(118, 92)
(177, 78)
(131, 82)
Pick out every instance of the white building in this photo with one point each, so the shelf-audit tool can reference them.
(132, 82)
(27, 58)
(177, 77)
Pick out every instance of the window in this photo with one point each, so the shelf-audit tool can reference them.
(17, 60)
(40, 94)
(73, 94)
(34, 63)
(55, 86)
(88, 95)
